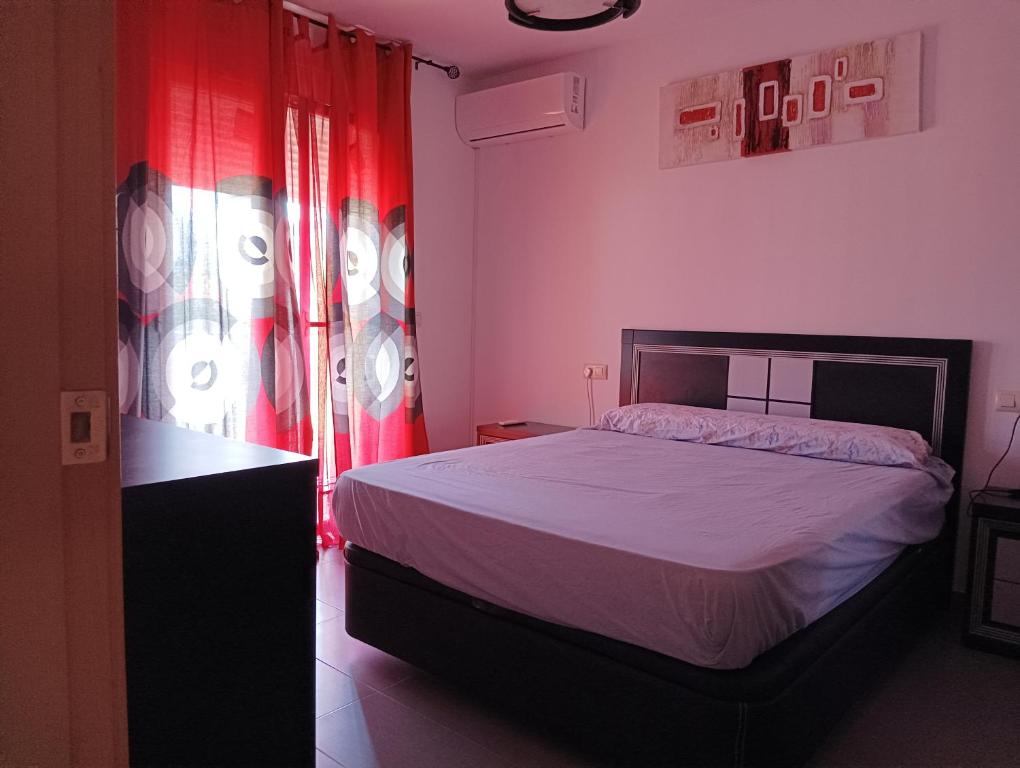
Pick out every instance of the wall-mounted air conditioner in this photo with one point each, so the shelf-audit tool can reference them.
(532, 109)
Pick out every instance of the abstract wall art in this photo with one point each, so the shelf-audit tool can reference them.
(859, 91)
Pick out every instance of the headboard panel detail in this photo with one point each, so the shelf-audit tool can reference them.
(918, 384)
(809, 384)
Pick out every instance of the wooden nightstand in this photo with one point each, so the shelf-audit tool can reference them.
(493, 433)
(993, 618)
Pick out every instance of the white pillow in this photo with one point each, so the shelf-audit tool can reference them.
(835, 440)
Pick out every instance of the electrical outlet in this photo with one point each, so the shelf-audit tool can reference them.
(596, 371)
(1007, 400)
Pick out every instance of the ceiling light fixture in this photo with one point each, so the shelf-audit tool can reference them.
(568, 15)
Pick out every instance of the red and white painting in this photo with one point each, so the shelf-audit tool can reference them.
(860, 91)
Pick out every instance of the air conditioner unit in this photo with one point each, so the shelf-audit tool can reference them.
(532, 109)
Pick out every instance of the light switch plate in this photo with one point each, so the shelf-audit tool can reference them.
(83, 427)
(1007, 400)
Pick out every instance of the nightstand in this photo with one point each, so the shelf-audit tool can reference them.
(493, 433)
(993, 618)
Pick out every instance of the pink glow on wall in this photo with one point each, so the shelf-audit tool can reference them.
(444, 229)
(581, 236)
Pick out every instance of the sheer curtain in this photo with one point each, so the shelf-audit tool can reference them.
(266, 232)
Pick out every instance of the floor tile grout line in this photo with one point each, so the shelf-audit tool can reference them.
(474, 741)
(333, 712)
(352, 703)
(382, 692)
(355, 700)
(326, 602)
(337, 669)
(336, 708)
(445, 727)
(330, 757)
(320, 749)
(375, 689)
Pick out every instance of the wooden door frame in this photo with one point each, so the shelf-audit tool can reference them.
(62, 646)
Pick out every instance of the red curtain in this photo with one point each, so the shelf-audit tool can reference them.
(266, 232)
(209, 322)
(349, 144)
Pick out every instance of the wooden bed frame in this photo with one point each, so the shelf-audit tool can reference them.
(630, 706)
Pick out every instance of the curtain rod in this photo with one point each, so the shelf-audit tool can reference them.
(321, 20)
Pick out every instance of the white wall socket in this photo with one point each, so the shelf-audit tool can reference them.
(1007, 400)
(596, 371)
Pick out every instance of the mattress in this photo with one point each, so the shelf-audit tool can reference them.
(707, 554)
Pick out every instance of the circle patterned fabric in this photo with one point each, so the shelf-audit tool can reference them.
(378, 374)
(395, 259)
(338, 378)
(129, 342)
(283, 374)
(219, 304)
(155, 256)
(246, 242)
(358, 257)
(373, 357)
(199, 365)
(201, 289)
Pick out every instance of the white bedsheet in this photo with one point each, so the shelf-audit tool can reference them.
(705, 553)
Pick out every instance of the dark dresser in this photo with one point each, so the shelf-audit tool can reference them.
(219, 599)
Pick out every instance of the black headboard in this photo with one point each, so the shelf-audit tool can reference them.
(918, 384)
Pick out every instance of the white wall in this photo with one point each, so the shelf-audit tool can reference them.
(444, 229)
(580, 236)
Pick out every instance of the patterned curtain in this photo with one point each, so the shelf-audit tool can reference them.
(349, 164)
(210, 332)
(265, 232)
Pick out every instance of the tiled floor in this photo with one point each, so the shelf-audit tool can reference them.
(944, 706)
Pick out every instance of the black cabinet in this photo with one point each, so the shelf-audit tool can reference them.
(993, 618)
(219, 599)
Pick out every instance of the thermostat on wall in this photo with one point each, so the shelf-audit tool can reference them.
(83, 427)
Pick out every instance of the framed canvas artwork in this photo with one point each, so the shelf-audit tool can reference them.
(854, 92)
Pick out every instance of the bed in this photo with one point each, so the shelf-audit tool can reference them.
(545, 574)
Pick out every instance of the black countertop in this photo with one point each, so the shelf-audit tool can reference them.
(154, 452)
